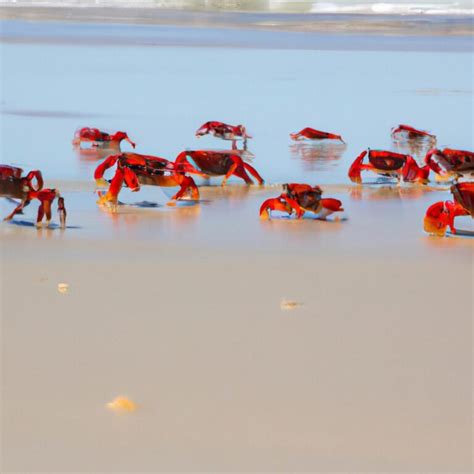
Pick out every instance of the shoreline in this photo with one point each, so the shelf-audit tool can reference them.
(75, 32)
(323, 23)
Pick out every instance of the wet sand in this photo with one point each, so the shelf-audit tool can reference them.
(362, 24)
(178, 308)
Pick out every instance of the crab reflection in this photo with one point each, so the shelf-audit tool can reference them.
(130, 216)
(232, 192)
(380, 193)
(318, 156)
(417, 147)
(94, 153)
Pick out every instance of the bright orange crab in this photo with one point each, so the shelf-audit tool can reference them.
(455, 162)
(301, 198)
(100, 139)
(134, 169)
(14, 185)
(390, 164)
(313, 134)
(441, 215)
(218, 163)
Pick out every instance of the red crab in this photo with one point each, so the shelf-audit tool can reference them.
(411, 133)
(388, 163)
(134, 169)
(313, 134)
(441, 214)
(224, 131)
(454, 162)
(301, 198)
(14, 185)
(99, 138)
(218, 163)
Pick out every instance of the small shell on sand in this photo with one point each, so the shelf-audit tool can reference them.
(287, 305)
(122, 404)
(63, 287)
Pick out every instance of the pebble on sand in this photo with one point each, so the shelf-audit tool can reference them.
(287, 305)
(122, 404)
(63, 287)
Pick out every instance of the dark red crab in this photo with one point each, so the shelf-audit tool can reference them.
(411, 133)
(301, 198)
(29, 187)
(390, 164)
(100, 139)
(441, 215)
(218, 163)
(134, 169)
(224, 131)
(313, 134)
(450, 163)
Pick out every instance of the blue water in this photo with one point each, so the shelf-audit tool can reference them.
(161, 95)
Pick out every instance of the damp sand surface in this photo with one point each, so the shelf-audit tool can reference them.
(179, 309)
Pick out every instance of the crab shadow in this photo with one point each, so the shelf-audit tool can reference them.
(156, 205)
(306, 218)
(23, 223)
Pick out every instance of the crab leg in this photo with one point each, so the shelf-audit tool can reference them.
(241, 173)
(411, 172)
(182, 164)
(187, 184)
(18, 209)
(253, 172)
(236, 162)
(62, 211)
(294, 205)
(432, 164)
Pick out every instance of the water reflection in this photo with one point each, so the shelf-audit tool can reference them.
(417, 147)
(94, 153)
(318, 156)
(380, 193)
(132, 216)
(230, 192)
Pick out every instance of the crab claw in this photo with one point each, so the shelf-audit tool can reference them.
(274, 204)
(295, 136)
(436, 219)
(356, 168)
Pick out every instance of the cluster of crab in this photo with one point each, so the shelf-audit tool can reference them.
(447, 164)
(134, 169)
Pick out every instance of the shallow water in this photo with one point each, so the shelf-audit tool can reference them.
(161, 95)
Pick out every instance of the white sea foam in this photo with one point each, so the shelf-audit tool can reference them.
(394, 8)
(368, 7)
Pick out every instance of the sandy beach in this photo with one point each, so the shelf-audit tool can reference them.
(179, 308)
